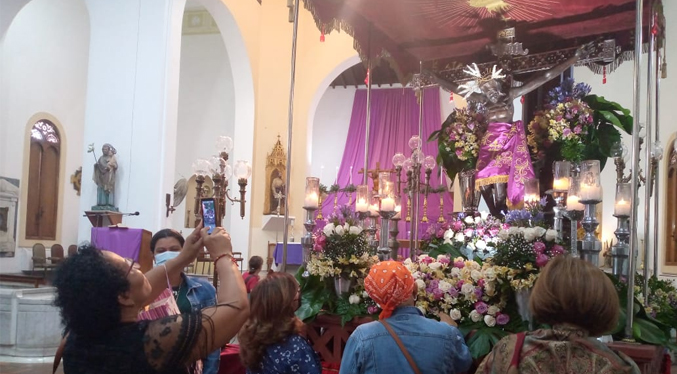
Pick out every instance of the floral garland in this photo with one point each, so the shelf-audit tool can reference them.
(471, 236)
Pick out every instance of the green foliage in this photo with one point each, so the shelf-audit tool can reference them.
(348, 311)
(313, 295)
(608, 118)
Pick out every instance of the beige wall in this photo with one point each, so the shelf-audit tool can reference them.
(268, 38)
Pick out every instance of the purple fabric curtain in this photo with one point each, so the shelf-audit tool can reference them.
(394, 119)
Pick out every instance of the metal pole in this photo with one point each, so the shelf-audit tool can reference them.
(635, 170)
(365, 176)
(283, 268)
(417, 171)
(658, 163)
(648, 143)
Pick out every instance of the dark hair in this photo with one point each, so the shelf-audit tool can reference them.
(255, 263)
(165, 233)
(571, 290)
(87, 290)
(271, 317)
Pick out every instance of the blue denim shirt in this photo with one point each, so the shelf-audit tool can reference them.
(436, 347)
(201, 294)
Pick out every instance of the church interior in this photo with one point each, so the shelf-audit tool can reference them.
(114, 115)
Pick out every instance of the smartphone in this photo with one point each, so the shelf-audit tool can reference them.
(208, 213)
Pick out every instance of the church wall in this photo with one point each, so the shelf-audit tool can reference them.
(206, 110)
(44, 56)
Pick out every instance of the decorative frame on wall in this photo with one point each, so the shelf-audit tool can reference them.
(276, 171)
(9, 208)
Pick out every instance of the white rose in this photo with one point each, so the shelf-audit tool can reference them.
(551, 235)
(449, 234)
(355, 230)
(471, 246)
(475, 317)
(435, 265)
(365, 294)
(346, 227)
(513, 231)
(455, 272)
(481, 244)
(503, 234)
(455, 314)
(529, 234)
(489, 274)
(469, 233)
(444, 286)
(539, 231)
(469, 220)
(420, 284)
(328, 230)
(490, 320)
(339, 230)
(354, 299)
(459, 237)
(493, 310)
(478, 220)
(467, 289)
(407, 262)
(475, 275)
(484, 215)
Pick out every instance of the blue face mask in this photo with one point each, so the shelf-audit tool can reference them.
(163, 257)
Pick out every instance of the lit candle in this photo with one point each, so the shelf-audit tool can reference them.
(311, 201)
(388, 204)
(351, 175)
(560, 184)
(590, 192)
(398, 209)
(361, 205)
(622, 208)
(573, 203)
(530, 198)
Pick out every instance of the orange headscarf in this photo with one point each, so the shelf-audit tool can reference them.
(389, 283)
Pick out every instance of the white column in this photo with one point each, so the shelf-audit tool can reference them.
(132, 98)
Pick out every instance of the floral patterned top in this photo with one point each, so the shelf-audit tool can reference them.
(293, 355)
(563, 349)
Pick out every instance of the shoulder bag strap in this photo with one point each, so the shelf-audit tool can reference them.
(59, 354)
(517, 352)
(402, 348)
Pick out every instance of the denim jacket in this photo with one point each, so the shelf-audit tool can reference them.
(436, 347)
(201, 294)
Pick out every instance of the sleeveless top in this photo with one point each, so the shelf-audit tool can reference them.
(161, 346)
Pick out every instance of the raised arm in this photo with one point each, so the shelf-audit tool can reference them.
(547, 75)
(452, 86)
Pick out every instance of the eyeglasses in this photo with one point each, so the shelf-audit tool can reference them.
(132, 265)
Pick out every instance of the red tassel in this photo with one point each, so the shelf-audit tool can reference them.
(366, 80)
(322, 35)
(522, 100)
(451, 98)
(654, 29)
(604, 75)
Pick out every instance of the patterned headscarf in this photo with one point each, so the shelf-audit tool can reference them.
(389, 283)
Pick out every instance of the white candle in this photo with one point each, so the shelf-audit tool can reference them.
(373, 210)
(388, 204)
(560, 184)
(351, 175)
(530, 198)
(398, 209)
(311, 201)
(361, 205)
(574, 204)
(622, 208)
(590, 192)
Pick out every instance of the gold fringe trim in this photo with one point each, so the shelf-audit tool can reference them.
(491, 180)
(517, 206)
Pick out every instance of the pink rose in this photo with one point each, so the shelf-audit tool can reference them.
(539, 247)
(481, 307)
(459, 264)
(542, 260)
(502, 319)
(457, 225)
(444, 260)
(480, 283)
(557, 250)
(427, 260)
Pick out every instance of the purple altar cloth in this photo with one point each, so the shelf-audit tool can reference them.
(294, 254)
(124, 242)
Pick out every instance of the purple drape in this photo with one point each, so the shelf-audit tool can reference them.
(394, 119)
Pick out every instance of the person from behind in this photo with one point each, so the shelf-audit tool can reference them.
(270, 340)
(99, 295)
(251, 277)
(403, 340)
(580, 303)
(192, 294)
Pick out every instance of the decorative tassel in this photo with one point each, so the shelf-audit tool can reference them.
(604, 75)
(522, 100)
(451, 98)
(366, 80)
(322, 35)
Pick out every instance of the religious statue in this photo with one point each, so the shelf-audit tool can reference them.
(503, 156)
(277, 188)
(276, 171)
(104, 176)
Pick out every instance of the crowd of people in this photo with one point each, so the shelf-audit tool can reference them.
(100, 295)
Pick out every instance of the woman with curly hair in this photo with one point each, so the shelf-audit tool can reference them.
(270, 340)
(100, 294)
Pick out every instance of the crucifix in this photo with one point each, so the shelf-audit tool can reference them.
(373, 174)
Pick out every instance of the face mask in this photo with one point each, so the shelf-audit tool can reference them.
(163, 257)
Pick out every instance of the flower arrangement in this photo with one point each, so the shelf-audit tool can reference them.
(459, 140)
(524, 251)
(473, 237)
(565, 120)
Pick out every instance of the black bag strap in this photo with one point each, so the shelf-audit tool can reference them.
(401, 345)
(59, 354)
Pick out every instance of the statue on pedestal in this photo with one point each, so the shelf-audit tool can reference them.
(104, 176)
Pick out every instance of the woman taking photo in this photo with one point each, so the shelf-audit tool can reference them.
(270, 340)
(100, 295)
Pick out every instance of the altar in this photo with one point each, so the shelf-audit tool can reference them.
(126, 242)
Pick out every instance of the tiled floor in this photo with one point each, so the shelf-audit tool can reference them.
(14, 368)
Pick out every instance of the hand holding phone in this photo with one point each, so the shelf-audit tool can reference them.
(208, 214)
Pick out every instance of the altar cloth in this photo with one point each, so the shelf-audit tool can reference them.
(125, 242)
(294, 254)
